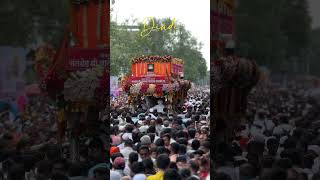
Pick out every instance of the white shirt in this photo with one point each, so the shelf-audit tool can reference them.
(159, 108)
(125, 152)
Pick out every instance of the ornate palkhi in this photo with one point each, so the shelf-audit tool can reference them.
(233, 78)
(165, 79)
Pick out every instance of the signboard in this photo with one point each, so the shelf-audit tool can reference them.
(151, 80)
(83, 58)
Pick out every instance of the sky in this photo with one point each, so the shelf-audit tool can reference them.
(314, 7)
(195, 15)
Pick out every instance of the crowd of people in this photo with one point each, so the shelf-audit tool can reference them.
(150, 143)
(279, 139)
(30, 148)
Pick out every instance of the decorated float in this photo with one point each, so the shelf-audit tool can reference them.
(75, 76)
(156, 77)
(233, 79)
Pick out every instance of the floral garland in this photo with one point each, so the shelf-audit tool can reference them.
(234, 72)
(156, 58)
(157, 90)
(82, 85)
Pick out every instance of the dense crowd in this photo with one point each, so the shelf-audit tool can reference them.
(30, 150)
(150, 143)
(279, 139)
(145, 144)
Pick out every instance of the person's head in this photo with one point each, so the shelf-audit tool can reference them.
(247, 171)
(185, 173)
(159, 142)
(52, 152)
(129, 127)
(174, 148)
(267, 161)
(292, 174)
(75, 169)
(151, 129)
(129, 120)
(183, 141)
(204, 164)
(182, 149)
(162, 150)
(166, 138)
(145, 140)
(144, 152)
(115, 155)
(166, 123)
(133, 157)
(137, 168)
(128, 143)
(294, 155)
(96, 149)
(153, 152)
(316, 176)
(303, 176)
(59, 166)
(119, 163)
(101, 173)
(221, 176)
(194, 167)
(272, 145)
(274, 173)
(163, 161)
(182, 162)
(180, 134)
(171, 174)
(148, 164)
(43, 168)
(195, 145)
(59, 176)
(283, 163)
(16, 172)
(308, 161)
(205, 146)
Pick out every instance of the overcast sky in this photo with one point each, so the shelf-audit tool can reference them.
(315, 12)
(195, 15)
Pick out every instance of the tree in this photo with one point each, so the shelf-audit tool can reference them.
(272, 32)
(127, 43)
(24, 22)
(258, 31)
(296, 25)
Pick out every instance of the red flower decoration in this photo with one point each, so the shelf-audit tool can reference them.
(159, 88)
(144, 88)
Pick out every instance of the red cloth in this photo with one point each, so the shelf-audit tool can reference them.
(114, 150)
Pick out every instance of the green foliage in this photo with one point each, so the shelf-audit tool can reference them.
(24, 22)
(315, 52)
(127, 43)
(272, 32)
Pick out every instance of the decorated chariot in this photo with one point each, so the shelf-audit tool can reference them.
(156, 77)
(233, 78)
(76, 76)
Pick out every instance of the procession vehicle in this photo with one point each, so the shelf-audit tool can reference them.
(232, 77)
(76, 76)
(154, 78)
